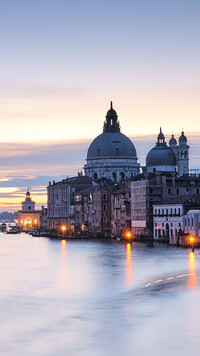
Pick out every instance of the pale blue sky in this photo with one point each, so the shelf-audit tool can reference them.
(63, 61)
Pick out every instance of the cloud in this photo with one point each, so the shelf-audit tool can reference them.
(34, 164)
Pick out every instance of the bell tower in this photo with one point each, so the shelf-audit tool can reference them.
(183, 155)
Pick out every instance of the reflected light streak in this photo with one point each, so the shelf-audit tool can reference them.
(192, 280)
(63, 271)
(128, 264)
(64, 247)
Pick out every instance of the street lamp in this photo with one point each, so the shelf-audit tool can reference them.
(128, 235)
(192, 241)
(63, 227)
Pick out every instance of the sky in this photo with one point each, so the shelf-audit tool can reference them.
(62, 62)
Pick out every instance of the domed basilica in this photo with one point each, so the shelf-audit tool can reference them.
(111, 154)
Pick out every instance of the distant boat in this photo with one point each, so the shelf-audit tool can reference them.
(12, 232)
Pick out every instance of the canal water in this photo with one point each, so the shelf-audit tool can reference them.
(97, 298)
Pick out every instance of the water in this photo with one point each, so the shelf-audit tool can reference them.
(97, 298)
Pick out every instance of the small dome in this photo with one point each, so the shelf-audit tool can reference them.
(182, 138)
(161, 136)
(111, 144)
(172, 141)
(111, 112)
(161, 156)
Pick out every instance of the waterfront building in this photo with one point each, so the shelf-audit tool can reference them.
(169, 218)
(192, 223)
(60, 202)
(101, 208)
(148, 189)
(83, 205)
(169, 158)
(29, 218)
(111, 155)
(119, 210)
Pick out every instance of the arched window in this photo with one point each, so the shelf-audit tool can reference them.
(121, 176)
(114, 176)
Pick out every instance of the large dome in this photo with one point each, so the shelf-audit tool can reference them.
(111, 155)
(111, 144)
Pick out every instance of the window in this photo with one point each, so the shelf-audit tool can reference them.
(197, 191)
(155, 211)
(121, 176)
(114, 176)
(169, 190)
(104, 196)
(177, 191)
(166, 211)
(162, 211)
(175, 211)
(104, 207)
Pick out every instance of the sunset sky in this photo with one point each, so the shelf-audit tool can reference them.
(62, 62)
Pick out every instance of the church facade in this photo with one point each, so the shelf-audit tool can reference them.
(28, 218)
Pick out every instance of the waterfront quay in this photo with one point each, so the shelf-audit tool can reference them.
(97, 298)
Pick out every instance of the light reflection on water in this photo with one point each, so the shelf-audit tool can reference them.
(128, 264)
(97, 298)
(192, 280)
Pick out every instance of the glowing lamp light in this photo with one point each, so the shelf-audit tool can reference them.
(63, 228)
(128, 235)
(191, 239)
